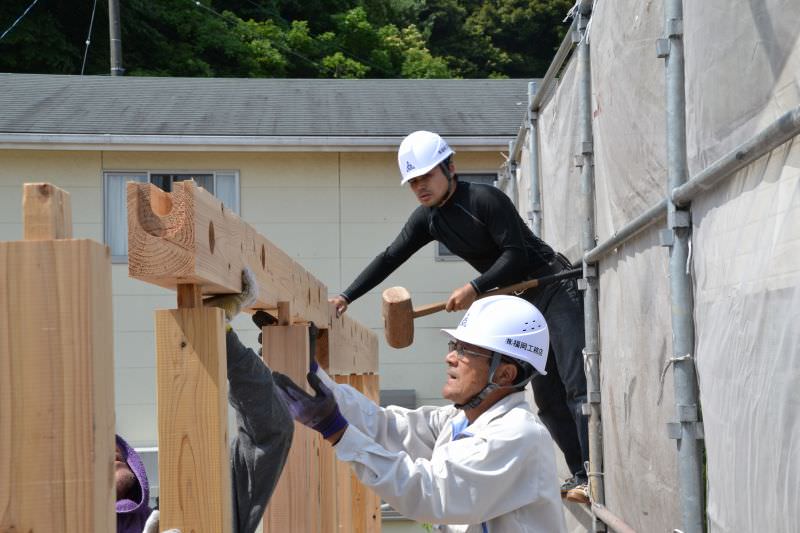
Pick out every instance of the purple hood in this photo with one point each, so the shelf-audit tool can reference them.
(131, 515)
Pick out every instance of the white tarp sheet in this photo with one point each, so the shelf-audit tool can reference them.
(747, 310)
(742, 72)
(560, 178)
(741, 76)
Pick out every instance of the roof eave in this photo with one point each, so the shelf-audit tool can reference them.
(231, 143)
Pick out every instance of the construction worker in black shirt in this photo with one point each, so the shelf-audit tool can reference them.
(480, 224)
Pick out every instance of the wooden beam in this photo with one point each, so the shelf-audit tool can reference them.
(188, 236)
(353, 346)
(56, 378)
(193, 456)
(47, 212)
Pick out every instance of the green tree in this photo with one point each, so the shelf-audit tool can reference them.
(51, 38)
(527, 32)
(291, 38)
(180, 38)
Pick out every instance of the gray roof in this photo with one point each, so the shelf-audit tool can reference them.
(131, 106)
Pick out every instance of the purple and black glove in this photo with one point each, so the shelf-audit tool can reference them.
(320, 413)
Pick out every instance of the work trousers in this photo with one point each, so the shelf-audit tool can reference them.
(560, 394)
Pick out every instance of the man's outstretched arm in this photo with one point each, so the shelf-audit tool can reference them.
(264, 432)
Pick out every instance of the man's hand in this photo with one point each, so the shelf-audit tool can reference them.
(320, 413)
(232, 304)
(461, 298)
(341, 304)
(262, 319)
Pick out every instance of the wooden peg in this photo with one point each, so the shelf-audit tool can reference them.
(284, 313)
(46, 212)
(189, 296)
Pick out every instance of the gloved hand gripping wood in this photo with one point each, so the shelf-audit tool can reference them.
(232, 304)
(320, 412)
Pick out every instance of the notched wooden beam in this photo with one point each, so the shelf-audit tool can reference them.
(353, 347)
(189, 237)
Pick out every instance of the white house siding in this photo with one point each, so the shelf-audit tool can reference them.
(331, 211)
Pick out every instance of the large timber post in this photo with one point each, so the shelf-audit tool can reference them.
(56, 374)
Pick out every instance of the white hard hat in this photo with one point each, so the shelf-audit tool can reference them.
(508, 325)
(419, 153)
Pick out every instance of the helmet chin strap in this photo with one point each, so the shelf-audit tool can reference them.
(490, 387)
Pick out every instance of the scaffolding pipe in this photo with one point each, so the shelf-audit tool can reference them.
(533, 149)
(687, 429)
(511, 178)
(610, 519)
(782, 130)
(516, 144)
(627, 232)
(785, 128)
(591, 352)
(555, 66)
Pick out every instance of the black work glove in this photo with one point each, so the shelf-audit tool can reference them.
(320, 413)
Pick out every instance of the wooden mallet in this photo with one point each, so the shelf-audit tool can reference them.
(399, 315)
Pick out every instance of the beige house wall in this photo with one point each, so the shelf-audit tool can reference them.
(331, 211)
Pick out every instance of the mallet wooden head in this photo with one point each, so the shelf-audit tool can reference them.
(398, 317)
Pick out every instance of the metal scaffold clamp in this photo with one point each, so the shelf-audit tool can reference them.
(694, 430)
(676, 219)
(589, 274)
(674, 31)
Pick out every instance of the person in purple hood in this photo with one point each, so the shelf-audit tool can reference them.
(264, 430)
(133, 490)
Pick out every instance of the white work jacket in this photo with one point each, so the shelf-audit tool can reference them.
(497, 475)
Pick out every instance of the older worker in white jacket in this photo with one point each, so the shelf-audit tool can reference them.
(483, 464)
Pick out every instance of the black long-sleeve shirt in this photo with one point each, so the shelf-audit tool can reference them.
(480, 225)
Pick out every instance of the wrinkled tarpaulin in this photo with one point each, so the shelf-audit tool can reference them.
(742, 72)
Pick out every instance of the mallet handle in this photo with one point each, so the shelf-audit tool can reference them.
(428, 309)
(521, 286)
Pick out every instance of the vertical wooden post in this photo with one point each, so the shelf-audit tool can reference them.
(295, 505)
(193, 456)
(369, 384)
(358, 506)
(56, 375)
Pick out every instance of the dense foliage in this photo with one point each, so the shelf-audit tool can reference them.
(289, 38)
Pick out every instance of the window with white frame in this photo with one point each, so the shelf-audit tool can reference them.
(224, 184)
(442, 253)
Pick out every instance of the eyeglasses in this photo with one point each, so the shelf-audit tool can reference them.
(455, 346)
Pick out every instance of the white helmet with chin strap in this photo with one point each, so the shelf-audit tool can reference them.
(508, 326)
(420, 152)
